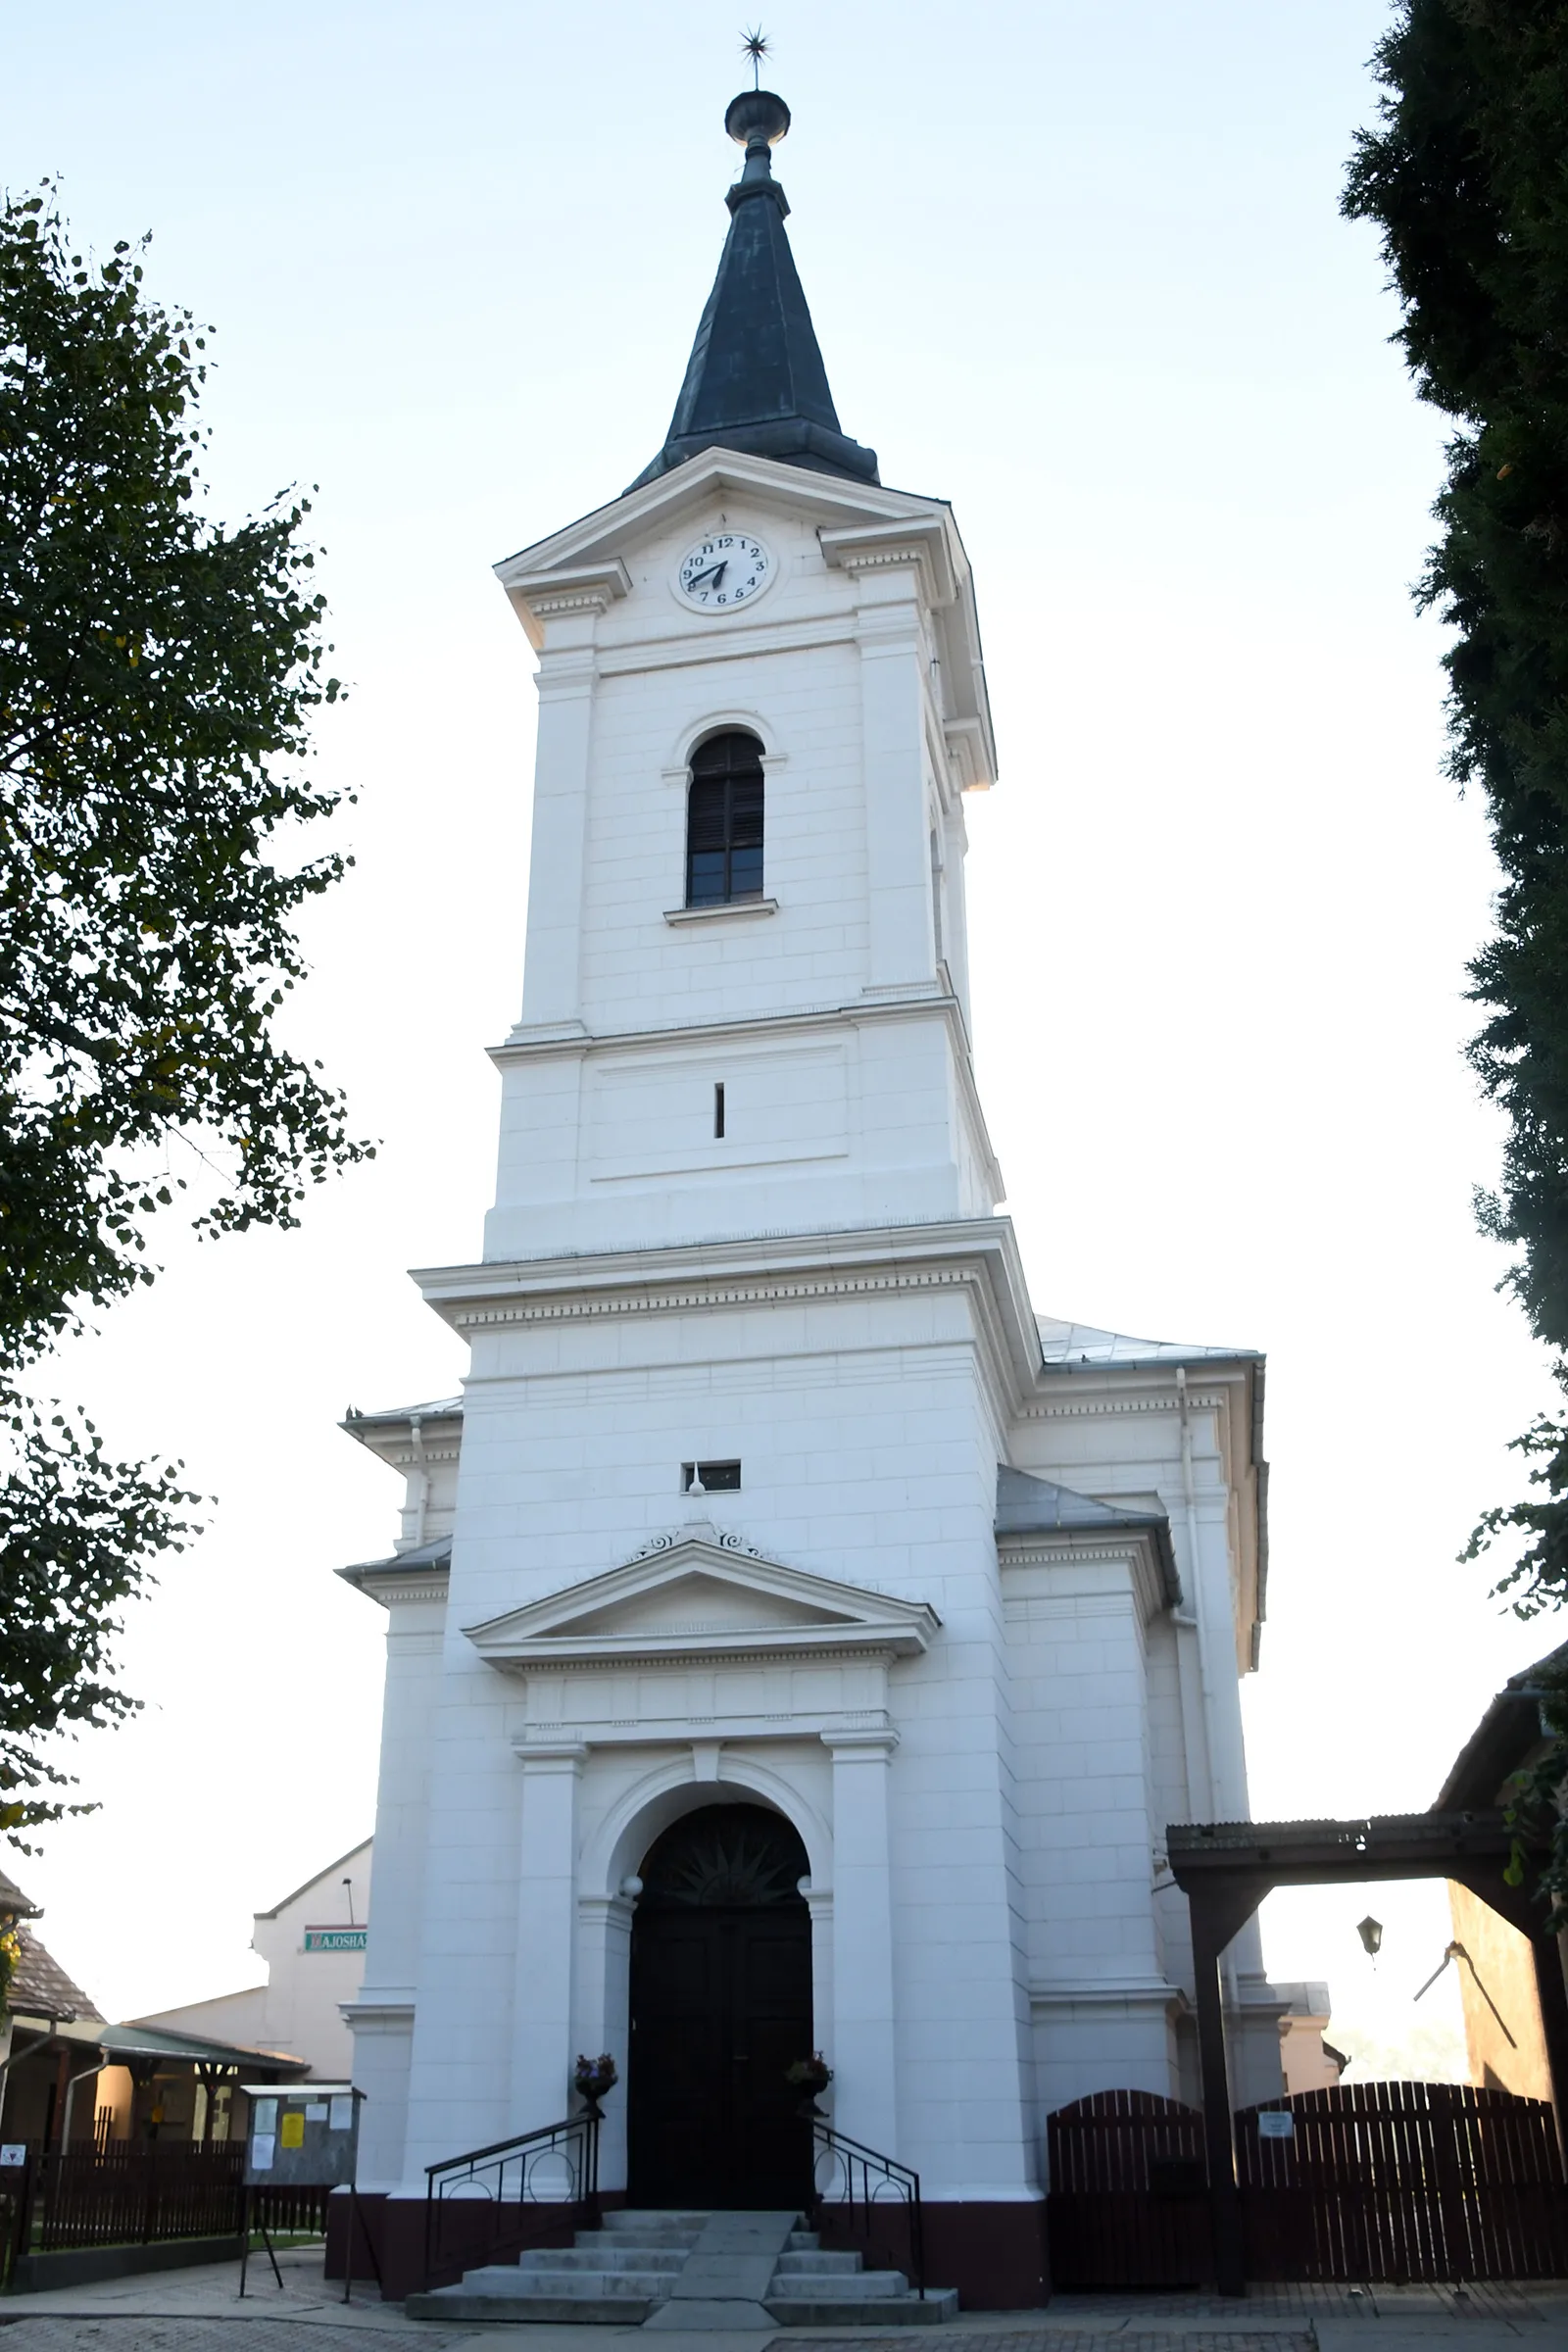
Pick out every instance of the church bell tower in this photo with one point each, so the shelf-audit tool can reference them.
(761, 701)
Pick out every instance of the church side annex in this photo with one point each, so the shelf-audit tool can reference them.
(795, 1642)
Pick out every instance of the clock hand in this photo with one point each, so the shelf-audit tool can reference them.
(715, 572)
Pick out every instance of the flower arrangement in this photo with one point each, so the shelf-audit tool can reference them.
(595, 2077)
(811, 2075)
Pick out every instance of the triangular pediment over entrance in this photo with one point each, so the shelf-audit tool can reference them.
(702, 1593)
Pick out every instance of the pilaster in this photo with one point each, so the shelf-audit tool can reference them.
(864, 2053)
(901, 950)
(547, 1922)
(552, 987)
(604, 1982)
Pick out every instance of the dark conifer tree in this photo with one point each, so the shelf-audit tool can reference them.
(1466, 178)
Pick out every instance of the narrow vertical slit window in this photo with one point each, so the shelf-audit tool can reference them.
(724, 822)
(718, 1109)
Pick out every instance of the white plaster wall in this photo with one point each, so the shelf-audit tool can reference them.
(381, 2006)
(862, 1120)
(1081, 1709)
(607, 1136)
(869, 1455)
(1122, 1442)
(642, 972)
(305, 1989)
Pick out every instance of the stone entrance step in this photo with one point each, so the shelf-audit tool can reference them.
(688, 2270)
(813, 2288)
(613, 2276)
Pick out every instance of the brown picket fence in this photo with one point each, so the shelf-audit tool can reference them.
(1403, 2181)
(1128, 2203)
(136, 2193)
(1391, 2182)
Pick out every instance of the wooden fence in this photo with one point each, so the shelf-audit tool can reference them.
(1377, 2182)
(140, 2192)
(137, 2191)
(1128, 2204)
(1404, 2180)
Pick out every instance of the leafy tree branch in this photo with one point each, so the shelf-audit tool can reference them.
(159, 679)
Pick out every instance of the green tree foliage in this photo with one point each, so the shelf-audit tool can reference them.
(1467, 180)
(158, 677)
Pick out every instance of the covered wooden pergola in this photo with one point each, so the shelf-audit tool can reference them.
(1226, 1868)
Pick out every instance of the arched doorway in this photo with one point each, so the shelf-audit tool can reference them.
(720, 2006)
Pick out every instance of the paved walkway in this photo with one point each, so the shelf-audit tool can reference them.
(200, 2311)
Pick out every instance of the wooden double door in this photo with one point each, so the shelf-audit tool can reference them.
(720, 2008)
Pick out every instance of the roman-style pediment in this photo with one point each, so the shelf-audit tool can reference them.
(861, 528)
(699, 1595)
(592, 549)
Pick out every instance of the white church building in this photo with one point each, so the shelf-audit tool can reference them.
(796, 1639)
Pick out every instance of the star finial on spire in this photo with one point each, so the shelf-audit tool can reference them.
(754, 45)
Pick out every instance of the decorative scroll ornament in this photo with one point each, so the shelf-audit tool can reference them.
(721, 1540)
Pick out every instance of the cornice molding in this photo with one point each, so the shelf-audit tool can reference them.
(552, 1751)
(919, 998)
(378, 2017)
(1153, 1575)
(729, 1293)
(1100, 1992)
(394, 1586)
(1032, 1551)
(919, 542)
(597, 534)
(977, 1255)
(540, 596)
(709, 1732)
(877, 1744)
(1088, 1405)
(730, 644)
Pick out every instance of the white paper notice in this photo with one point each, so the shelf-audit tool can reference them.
(263, 2117)
(315, 2112)
(342, 2114)
(262, 2152)
(1277, 2126)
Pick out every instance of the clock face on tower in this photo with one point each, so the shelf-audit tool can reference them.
(725, 570)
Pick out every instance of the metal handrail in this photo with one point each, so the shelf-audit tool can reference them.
(858, 2167)
(483, 2174)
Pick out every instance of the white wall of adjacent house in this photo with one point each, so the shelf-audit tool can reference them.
(313, 1943)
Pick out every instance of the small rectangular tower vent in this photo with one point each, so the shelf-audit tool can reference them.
(714, 1478)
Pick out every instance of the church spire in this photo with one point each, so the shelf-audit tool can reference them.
(756, 380)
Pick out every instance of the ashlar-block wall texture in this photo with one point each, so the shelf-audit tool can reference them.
(973, 1618)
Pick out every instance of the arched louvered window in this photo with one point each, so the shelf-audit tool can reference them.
(724, 822)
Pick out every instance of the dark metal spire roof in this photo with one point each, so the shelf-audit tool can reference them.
(756, 379)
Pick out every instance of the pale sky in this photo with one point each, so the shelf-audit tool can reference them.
(1082, 272)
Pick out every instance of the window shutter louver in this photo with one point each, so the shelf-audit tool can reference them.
(724, 822)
